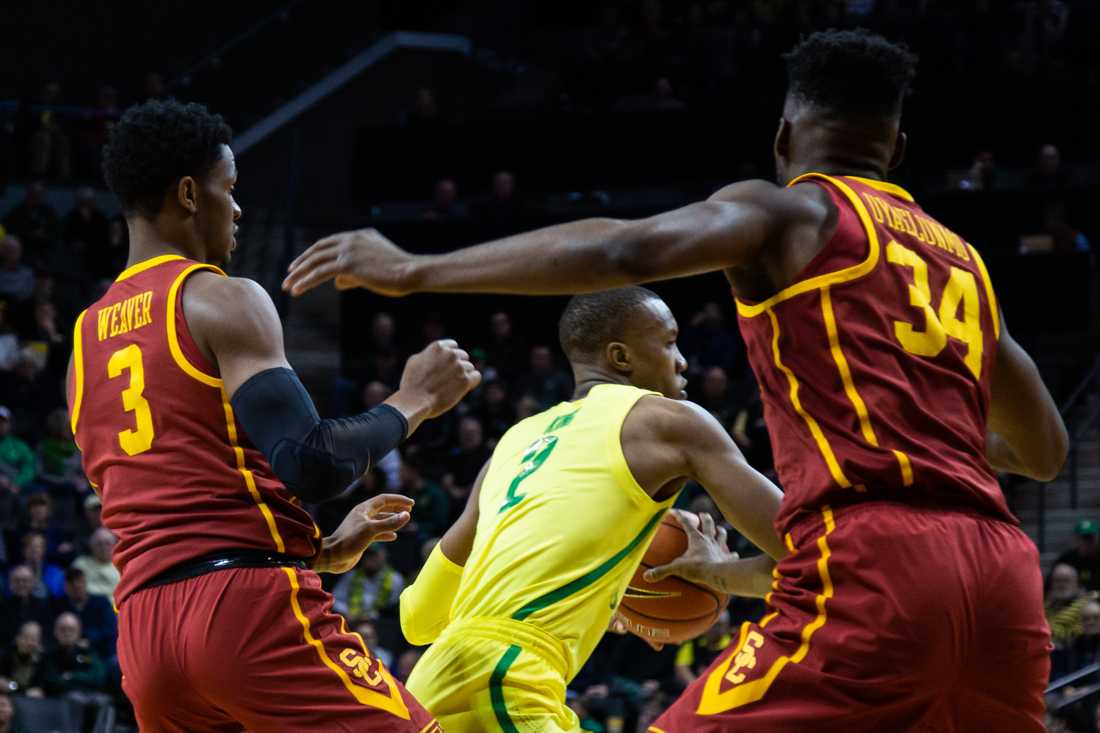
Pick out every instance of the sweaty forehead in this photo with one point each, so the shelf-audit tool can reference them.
(226, 167)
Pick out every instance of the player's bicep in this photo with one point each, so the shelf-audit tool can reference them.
(1023, 412)
(238, 322)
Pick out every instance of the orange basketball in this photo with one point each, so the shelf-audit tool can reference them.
(672, 610)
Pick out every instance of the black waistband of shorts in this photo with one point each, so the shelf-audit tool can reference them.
(224, 561)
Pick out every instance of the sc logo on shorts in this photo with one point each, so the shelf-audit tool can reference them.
(360, 667)
(746, 657)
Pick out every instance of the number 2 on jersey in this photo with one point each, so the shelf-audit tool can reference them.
(961, 288)
(533, 458)
(136, 441)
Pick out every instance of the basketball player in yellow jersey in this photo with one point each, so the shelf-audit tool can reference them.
(519, 591)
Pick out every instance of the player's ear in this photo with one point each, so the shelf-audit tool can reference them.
(900, 144)
(619, 357)
(187, 194)
(782, 145)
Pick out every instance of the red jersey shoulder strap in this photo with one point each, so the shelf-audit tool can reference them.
(816, 282)
(174, 299)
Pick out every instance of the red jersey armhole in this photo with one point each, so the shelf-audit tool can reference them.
(190, 349)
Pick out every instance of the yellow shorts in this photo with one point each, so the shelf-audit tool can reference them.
(488, 675)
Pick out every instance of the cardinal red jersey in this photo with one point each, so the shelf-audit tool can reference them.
(874, 366)
(160, 443)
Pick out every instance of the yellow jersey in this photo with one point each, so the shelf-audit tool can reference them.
(563, 524)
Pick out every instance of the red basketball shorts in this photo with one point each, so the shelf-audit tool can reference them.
(256, 649)
(886, 618)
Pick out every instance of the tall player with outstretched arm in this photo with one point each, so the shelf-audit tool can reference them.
(202, 443)
(893, 391)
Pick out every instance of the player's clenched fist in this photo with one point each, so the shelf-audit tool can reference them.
(362, 258)
(443, 373)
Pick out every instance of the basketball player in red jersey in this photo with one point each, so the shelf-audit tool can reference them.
(202, 441)
(893, 392)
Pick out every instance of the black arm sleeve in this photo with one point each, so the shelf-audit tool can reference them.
(316, 459)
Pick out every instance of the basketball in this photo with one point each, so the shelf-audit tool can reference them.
(671, 610)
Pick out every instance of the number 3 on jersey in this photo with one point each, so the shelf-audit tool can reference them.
(961, 287)
(136, 441)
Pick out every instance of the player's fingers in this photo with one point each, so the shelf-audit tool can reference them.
(706, 525)
(389, 503)
(448, 343)
(310, 259)
(473, 378)
(320, 245)
(310, 277)
(389, 523)
(662, 571)
(385, 537)
(721, 536)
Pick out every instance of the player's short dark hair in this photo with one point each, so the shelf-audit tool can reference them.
(593, 320)
(155, 144)
(851, 72)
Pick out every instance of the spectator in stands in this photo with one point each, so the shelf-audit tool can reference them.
(87, 523)
(406, 662)
(86, 231)
(425, 111)
(58, 455)
(431, 513)
(72, 669)
(526, 407)
(709, 342)
(21, 605)
(9, 341)
(716, 398)
(7, 715)
(1065, 603)
(17, 461)
(36, 224)
(21, 662)
(505, 352)
(1084, 557)
(101, 575)
(465, 462)
(372, 588)
(16, 279)
(547, 383)
(50, 147)
(497, 413)
(502, 205)
(384, 358)
(97, 618)
(694, 656)
(49, 579)
(40, 520)
(366, 630)
(1049, 174)
(445, 203)
(982, 174)
(1082, 650)
(750, 432)
(374, 394)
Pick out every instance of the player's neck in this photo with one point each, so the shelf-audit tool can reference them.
(149, 239)
(836, 166)
(586, 378)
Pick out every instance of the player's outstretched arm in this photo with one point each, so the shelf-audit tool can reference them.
(235, 323)
(1026, 433)
(426, 604)
(584, 256)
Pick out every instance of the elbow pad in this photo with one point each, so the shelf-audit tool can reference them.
(316, 459)
(426, 604)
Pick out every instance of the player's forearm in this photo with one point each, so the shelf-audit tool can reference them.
(751, 577)
(749, 502)
(587, 255)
